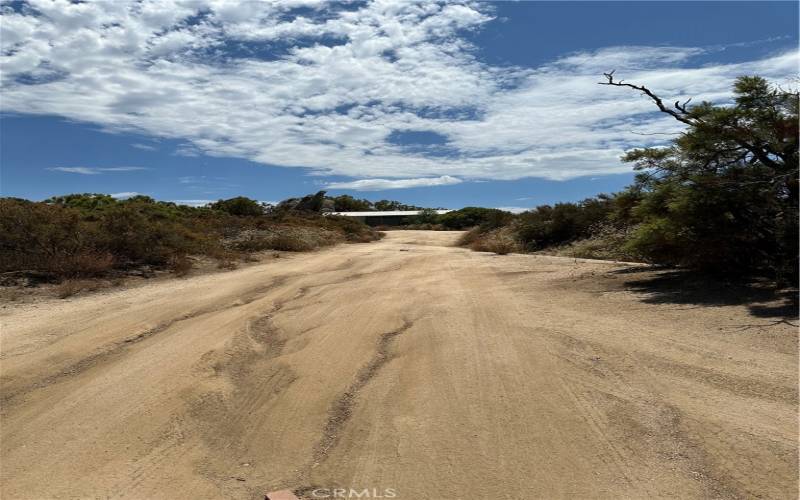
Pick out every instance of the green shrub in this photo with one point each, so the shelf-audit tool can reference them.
(293, 243)
(469, 217)
(88, 235)
(607, 242)
(240, 206)
(721, 198)
(427, 216)
(546, 226)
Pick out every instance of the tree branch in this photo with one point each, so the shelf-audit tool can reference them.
(683, 115)
(680, 115)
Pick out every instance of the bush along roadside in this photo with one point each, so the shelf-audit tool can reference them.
(722, 198)
(85, 236)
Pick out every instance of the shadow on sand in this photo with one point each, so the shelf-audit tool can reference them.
(685, 287)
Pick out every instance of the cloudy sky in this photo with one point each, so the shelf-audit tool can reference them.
(449, 104)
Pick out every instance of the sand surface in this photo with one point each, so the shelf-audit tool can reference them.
(406, 364)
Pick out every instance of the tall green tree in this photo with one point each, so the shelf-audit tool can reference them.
(239, 205)
(346, 203)
(723, 196)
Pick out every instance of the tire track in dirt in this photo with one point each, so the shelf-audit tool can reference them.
(247, 359)
(258, 380)
(116, 349)
(643, 428)
(507, 385)
(341, 410)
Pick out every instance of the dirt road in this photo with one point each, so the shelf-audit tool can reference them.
(406, 367)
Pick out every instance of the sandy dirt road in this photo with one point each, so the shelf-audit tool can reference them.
(405, 365)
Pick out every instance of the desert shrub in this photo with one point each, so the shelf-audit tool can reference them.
(85, 263)
(546, 226)
(239, 206)
(391, 205)
(469, 217)
(227, 264)
(500, 241)
(470, 237)
(342, 203)
(181, 265)
(71, 287)
(86, 202)
(48, 239)
(290, 239)
(88, 235)
(427, 216)
(309, 204)
(607, 242)
(354, 231)
(140, 233)
(346, 203)
(252, 241)
(293, 243)
(224, 256)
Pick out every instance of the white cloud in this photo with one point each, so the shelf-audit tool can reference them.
(95, 170)
(77, 170)
(381, 184)
(144, 147)
(125, 195)
(327, 89)
(193, 203)
(514, 210)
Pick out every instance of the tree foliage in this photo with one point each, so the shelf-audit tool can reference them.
(88, 235)
(561, 223)
(320, 202)
(723, 197)
(346, 203)
(469, 217)
(720, 198)
(240, 206)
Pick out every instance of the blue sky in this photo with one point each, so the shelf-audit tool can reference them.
(491, 104)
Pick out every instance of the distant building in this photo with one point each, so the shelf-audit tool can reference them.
(393, 218)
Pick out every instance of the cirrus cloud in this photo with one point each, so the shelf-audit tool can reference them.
(95, 170)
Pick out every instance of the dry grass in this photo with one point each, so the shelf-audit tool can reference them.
(68, 288)
(607, 243)
(10, 294)
(180, 265)
(499, 241)
(287, 239)
(470, 237)
(294, 243)
(227, 264)
(87, 264)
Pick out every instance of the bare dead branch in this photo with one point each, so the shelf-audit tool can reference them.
(682, 107)
(683, 116)
(679, 115)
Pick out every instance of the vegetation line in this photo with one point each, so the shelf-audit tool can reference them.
(721, 198)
